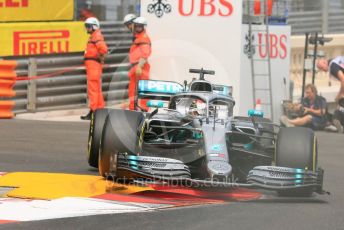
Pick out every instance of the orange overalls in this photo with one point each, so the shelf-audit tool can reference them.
(96, 47)
(140, 48)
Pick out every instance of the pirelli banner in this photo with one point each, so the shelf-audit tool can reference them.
(22, 39)
(36, 10)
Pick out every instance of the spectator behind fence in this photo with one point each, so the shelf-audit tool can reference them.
(313, 110)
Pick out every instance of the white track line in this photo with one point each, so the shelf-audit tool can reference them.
(23, 210)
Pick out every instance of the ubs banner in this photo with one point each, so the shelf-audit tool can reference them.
(279, 42)
(20, 39)
(36, 10)
(194, 34)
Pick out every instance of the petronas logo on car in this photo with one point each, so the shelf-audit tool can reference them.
(159, 8)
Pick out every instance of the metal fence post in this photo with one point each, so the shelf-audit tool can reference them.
(315, 55)
(32, 86)
(325, 9)
(304, 66)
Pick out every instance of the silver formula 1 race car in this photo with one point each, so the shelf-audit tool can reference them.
(191, 137)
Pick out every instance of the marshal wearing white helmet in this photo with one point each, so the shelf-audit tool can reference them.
(140, 51)
(94, 57)
(129, 18)
(128, 21)
(92, 24)
(140, 21)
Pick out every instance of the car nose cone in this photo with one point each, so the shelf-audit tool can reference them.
(219, 168)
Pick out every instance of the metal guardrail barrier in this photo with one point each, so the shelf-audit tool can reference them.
(324, 16)
(302, 22)
(68, 89)
(335, 21)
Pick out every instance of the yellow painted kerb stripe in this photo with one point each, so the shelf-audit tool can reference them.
(54, 185)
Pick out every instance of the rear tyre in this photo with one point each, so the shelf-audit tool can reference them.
(120, 135)
(297, 148)
(95, 132)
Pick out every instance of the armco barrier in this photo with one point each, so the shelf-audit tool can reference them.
(7, 81)
(60, 83)
(57, 82)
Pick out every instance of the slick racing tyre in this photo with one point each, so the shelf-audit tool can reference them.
(120, 135)
(95, 132)
(297, 148)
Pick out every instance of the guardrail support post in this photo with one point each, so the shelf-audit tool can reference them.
(32, 86)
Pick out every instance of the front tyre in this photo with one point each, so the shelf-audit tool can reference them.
(120, 135)
(107, 160)
(95, 132)
(297, 148)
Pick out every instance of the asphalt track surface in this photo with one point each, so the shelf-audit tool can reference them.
(39, 146)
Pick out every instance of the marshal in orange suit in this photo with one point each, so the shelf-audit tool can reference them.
(140, 51)
(94, 57)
